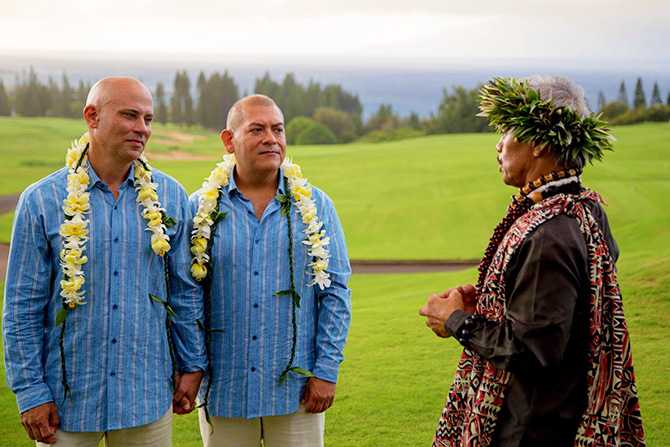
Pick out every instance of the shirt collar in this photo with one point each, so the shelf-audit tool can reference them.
(232, 186)
(95, 179)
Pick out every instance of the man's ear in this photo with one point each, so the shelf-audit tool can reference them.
(91, 116)
(227, 138)
(537, 149)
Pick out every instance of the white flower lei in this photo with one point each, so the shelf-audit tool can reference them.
(76, 205)
(301, 191)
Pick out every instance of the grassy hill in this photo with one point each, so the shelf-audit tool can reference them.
(429, 198)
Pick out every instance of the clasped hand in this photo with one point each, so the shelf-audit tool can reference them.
(440, 307)
(41, 422)
(186, 390)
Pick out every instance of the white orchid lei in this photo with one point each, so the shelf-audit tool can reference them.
(75, 232)
(207, 216)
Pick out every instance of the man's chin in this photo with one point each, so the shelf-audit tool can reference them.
(133, 154)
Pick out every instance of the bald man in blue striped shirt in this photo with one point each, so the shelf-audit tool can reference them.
(252, 329)
(101, 366)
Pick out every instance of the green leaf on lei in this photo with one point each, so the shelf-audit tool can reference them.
(156, 299)
(61, 316)
(302, 372)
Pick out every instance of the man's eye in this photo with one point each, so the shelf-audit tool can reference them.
(279, 130)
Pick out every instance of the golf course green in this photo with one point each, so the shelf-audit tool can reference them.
(434, 197)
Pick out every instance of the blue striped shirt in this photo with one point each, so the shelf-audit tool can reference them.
(250, 264)
(116, 347)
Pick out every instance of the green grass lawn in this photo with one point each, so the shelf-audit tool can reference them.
(432, 197)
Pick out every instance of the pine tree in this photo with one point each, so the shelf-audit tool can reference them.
(311, 98)
(602, 102)
(176, 111)
(161, 106)
(414, 121)
(623, 96)
(5, 109)
(82, 94)
(68, 101)
(656, 96)
(201, 111)
(292, 98)
(32, 97)
(231, 93)
(639, 101)
(189, 114)
(187, 99)
(266, 86)
(55, 100)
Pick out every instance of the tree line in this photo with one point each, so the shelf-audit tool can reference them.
(314, 114)
(620, 111)
(30, 97)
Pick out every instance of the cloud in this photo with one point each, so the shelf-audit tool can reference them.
(391, 29)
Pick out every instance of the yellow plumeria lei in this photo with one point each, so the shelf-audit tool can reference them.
(76, 205)
(207, 216)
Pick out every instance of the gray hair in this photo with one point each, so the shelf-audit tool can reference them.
(565, 93)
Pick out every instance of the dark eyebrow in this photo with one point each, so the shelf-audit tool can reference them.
(252, 124)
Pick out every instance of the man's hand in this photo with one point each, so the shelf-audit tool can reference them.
(41, 422)
(469, 294)
(186, 390)
(319, 395)
(440, 307)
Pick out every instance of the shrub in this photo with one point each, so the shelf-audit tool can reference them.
(316, 133)
(613, 109)
(399, 134)
(295, 128)
(342, 125)
(634, 116)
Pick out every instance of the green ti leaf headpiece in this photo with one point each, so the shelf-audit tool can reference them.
(511, 105)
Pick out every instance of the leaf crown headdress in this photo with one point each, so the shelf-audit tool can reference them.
(512, 105)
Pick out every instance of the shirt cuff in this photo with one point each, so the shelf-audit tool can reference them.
(192, 369)
(461, 324)
(326, 370)
(33, 396)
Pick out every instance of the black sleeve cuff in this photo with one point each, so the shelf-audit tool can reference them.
(460, 324)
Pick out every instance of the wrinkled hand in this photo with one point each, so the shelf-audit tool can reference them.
(319, 395)
(41, 422)
(186, 390)
(469, 294)
(440, 307)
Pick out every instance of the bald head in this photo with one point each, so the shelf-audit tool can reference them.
(106, 89)
(236, 112)
(118, 114)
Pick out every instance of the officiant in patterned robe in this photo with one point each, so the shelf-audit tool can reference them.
(547, 358)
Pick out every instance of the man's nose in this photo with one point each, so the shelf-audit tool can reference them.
(142, 127)
(499, 146)
(269, 137)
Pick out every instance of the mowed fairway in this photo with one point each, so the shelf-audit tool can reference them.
(430, 198)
